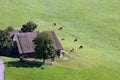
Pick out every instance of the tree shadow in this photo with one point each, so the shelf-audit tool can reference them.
(24, 64)
(10, 52)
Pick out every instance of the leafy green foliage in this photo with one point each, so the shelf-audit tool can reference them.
(9, 29)
(44, 45)
(5, 40)
(29, 27)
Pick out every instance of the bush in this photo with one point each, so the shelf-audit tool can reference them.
(29, 27)
(9, 29)
(5, 40)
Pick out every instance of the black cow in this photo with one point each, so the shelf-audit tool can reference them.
(80, 47)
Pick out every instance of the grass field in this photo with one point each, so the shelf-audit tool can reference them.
(95, 23)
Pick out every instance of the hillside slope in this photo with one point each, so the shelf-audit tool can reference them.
(95, 23)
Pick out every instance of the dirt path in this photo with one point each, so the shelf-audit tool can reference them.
(1, 70)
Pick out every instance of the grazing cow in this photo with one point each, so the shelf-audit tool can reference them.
(75, 40)
(60, 28)
(54, 24)
(72, 50)
(62, 39)
(80, 47)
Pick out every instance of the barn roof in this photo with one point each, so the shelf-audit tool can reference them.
(57, 43)
(25, 41)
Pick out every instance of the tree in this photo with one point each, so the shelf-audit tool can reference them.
(9, 29)
(44, 46)
(29, 27)
(5, 40)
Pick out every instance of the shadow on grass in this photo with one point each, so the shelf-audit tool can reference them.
(25, 64)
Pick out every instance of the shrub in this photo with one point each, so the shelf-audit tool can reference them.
(29, 27)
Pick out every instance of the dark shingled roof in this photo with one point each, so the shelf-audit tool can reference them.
(58, 45)
(25, 41)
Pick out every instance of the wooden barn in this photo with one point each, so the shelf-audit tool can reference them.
(25, 45)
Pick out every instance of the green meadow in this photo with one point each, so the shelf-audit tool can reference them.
(96, 25)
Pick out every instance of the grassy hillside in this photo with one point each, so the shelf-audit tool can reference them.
(95, 23)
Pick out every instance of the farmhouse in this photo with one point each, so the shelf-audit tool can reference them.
(25, 45)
